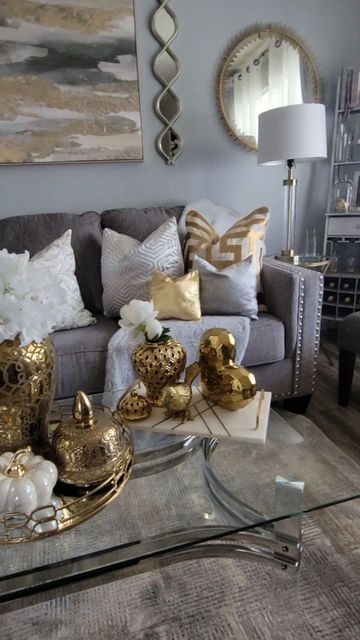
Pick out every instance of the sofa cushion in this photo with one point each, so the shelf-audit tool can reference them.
(58, 258)
(35, 232)
(267, 341)
(177, 298)
(138, 223)
(126, 270)
(245, 237)
(228, 291)
(81, 357)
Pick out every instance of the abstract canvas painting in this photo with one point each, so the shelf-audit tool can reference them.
(69, 89)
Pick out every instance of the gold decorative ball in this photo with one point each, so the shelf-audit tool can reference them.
(239, 385)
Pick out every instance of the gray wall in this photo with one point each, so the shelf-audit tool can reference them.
(212, 165)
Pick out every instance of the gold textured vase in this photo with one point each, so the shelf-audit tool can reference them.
(27, 381)
(91, 445)
(158, 364)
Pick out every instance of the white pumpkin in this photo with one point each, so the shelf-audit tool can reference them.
(26, 481)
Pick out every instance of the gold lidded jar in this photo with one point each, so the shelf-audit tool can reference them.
(91, 446)
(158, 364)
(134, 406)
(27, 380)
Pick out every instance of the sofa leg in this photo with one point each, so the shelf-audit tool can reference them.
(297, 405)
(346, 370)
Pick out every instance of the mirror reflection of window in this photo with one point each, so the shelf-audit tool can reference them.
(268, 67)
(272, 79)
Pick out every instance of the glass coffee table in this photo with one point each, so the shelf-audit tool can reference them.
(190, 498)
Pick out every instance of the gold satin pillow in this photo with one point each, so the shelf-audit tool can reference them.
(178, 298)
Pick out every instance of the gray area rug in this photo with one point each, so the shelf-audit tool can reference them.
(218, 599)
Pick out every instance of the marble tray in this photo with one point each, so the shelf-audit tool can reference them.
(248, 424)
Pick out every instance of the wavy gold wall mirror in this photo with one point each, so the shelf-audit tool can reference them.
(266, 66)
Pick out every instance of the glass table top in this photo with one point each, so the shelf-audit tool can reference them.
(185, 490)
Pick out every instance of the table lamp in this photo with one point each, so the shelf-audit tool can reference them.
(296, 133)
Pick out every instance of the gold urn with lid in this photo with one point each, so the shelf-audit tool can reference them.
(91, 446)
(134, 406)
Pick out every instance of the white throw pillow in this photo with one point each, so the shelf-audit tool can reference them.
(220, 216)
(127, 265)
(59, 258)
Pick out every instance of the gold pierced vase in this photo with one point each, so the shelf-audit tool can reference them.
(158, 364)
(27, 381)
(91, 446)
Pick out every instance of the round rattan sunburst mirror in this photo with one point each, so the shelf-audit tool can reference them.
(266, 66)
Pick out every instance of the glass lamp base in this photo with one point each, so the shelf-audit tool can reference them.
(288, 255)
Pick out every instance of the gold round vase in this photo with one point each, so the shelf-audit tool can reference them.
(27, 381)
(158, 364)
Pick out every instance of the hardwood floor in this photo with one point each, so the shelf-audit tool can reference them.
(341, 425)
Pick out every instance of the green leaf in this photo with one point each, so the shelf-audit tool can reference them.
(162, 338)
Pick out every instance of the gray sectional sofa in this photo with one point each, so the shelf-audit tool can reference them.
(284, 342)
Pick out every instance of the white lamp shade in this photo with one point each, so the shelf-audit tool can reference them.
(296, 132)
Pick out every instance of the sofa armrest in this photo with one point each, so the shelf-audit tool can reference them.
(294, 295)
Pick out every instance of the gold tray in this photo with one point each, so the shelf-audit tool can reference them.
(71, 507)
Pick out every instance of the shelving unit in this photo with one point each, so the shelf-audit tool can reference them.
(341, 295)
(342, 230)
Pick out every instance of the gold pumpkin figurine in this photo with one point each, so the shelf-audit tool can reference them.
(229, 385)
(91, 446)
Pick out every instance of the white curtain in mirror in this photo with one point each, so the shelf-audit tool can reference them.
(274, 82)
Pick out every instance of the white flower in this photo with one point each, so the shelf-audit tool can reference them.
(29, 297)
(139, 317)
(153, 328)
(135, 315)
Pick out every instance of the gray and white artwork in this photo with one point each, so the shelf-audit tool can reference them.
(69, 86)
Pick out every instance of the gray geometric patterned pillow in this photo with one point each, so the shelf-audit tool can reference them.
(127, 265)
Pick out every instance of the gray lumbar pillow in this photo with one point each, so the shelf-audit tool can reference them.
(229, 291)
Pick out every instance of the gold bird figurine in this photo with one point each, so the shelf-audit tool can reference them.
(178, 396)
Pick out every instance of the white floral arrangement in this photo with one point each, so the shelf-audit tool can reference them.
(139, 318)
(29, 298)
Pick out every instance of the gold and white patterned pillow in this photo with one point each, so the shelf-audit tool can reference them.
(244, 238)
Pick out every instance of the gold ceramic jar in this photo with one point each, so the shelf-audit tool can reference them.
(91, 446)
(27, 377)
(158, 364)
